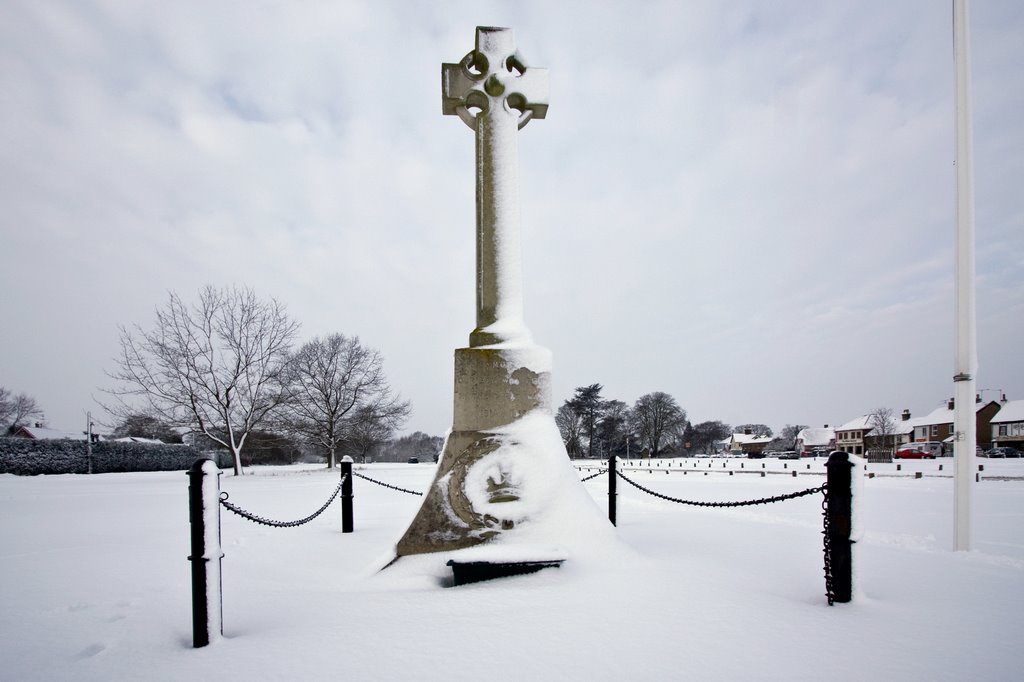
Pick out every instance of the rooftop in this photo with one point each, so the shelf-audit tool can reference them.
(1012, 411)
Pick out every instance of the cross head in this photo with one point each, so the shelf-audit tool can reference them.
(493, 78)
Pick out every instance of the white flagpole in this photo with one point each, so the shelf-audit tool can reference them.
(964, 427)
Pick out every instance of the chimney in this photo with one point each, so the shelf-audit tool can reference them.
(1004, 399)
(906, 415)
(950, 404)
(746, 431)
(977, 397)
(39, 425)
(825, 426)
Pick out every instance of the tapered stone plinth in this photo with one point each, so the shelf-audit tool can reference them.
(494, 389)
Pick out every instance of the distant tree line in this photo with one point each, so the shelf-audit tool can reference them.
(417, 444)
(654, 426)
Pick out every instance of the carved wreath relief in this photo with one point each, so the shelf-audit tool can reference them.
(482, 481)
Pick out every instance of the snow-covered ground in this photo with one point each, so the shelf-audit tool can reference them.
(95, 584)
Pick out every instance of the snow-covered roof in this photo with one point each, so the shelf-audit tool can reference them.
(943, 415)
(46, 433)
(138, 439)
(1012, 411)
(858, 424)
(906, 426)
(900, 426)
(816, 437)
(749, 438)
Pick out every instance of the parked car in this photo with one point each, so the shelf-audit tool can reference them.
(1003, 451)
(788, 454)
(933, 448)
(919, 451)
(414, 460)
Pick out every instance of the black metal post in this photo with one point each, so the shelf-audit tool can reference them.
(840, 523)
(204, 519)
(611, 490)
(346, 495)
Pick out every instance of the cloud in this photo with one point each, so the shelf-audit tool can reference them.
(745, 205)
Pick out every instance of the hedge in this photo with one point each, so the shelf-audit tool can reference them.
(30, 457)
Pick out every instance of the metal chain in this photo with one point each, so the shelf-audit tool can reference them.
(386, 485)
(280, 524)
(829, 594)
(602, 471)
(744, 503)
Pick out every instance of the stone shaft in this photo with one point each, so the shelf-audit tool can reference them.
(499, 301)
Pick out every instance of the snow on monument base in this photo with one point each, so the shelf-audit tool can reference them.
(504, 478)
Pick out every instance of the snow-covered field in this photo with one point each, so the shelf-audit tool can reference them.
(96, 585)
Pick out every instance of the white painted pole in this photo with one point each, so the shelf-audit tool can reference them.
(964, 427)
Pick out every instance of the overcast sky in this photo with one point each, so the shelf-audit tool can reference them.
(748, 205)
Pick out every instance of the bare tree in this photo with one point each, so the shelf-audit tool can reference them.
(214, 366)
(789, 433)
(760, 430)
(370, 427)
(706, 434)
(338, 394)
(570, 425)
(15, 410)
(883, 426)
(658, 421)
(614, 428)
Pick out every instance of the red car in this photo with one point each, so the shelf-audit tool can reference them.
(916, 451)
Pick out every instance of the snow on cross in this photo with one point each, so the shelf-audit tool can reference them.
(494, 82)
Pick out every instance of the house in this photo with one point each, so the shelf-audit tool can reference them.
(859, 435)
(850, 436)
(811, 439)
(1007, 426)
(904, 429)
(39, 432)
(747, 444)
(938, 424)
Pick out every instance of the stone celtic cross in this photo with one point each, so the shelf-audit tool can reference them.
(503, 469)
(495, 93)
